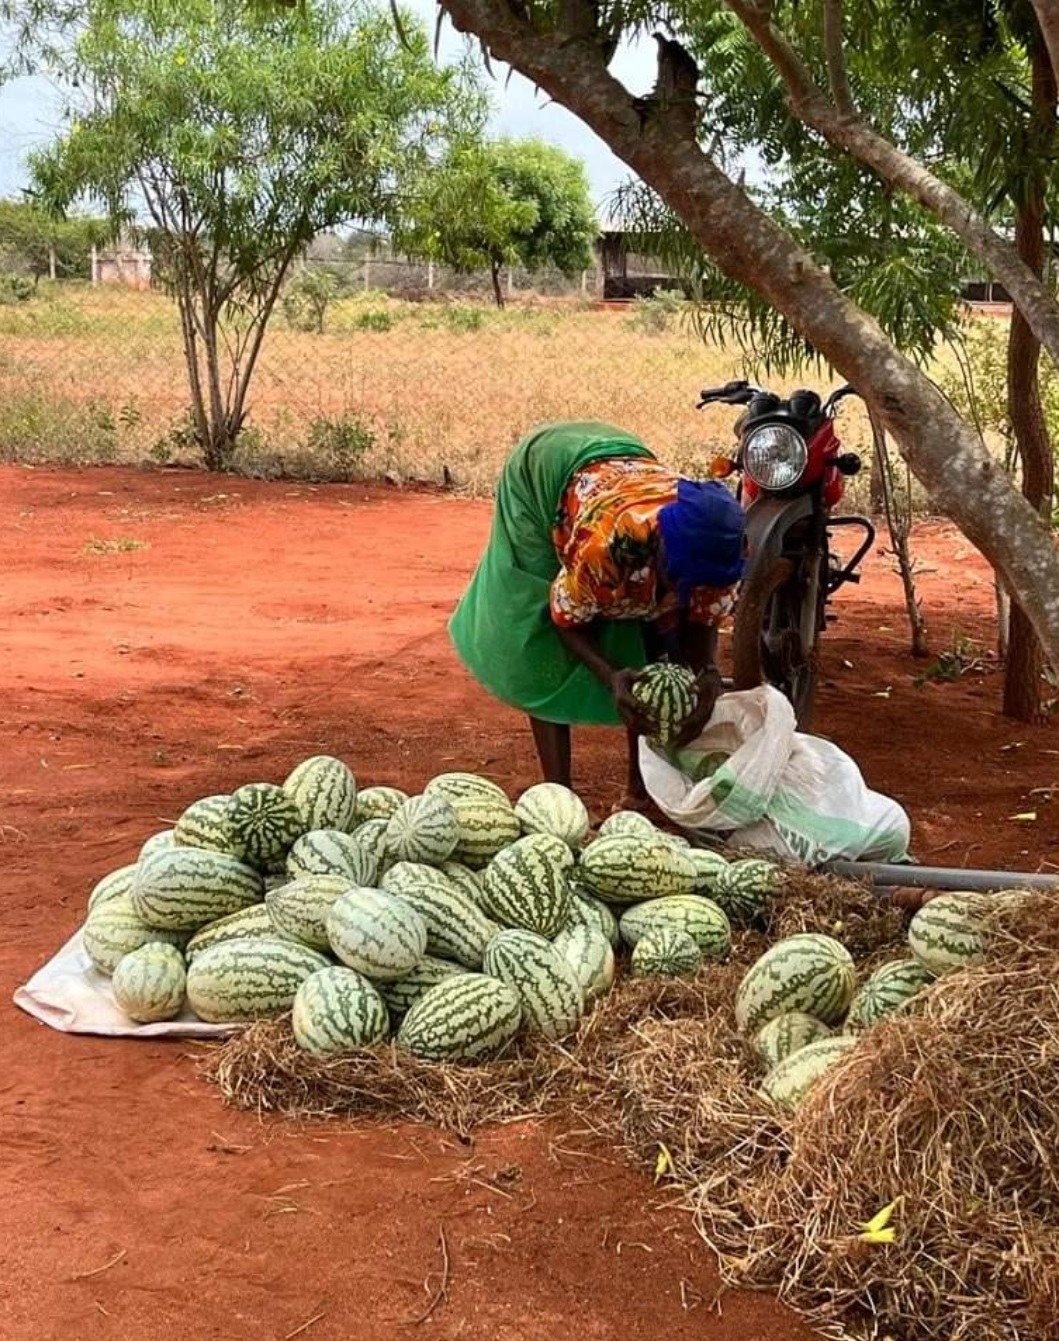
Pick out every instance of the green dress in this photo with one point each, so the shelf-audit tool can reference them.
(502, 627)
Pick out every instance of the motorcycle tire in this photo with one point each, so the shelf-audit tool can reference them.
(768, 642)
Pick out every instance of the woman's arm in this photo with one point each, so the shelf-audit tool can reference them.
(583, 642)
(698, 648)
(698, 651)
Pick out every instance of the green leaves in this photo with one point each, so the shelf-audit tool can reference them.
(235, 135)
(510, 202)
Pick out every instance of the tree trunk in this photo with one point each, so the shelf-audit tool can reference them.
(899, 525)
(1048, 19)
(1025, 659)
(498, 292)
(199, 415)
(944, 451)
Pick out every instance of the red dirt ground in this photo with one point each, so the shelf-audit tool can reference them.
(257, 624)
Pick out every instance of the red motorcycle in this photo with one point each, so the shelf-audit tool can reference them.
(793, 474)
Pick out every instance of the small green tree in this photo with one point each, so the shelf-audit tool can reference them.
(240, 134)
(508, 202)
(32, 242)
(307, 297)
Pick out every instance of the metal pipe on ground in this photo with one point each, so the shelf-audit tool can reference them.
(885, 875)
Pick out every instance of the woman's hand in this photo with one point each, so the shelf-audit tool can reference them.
(709, 689)
(636, 715)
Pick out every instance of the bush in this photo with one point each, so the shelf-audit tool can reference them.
(39, 426)
(15, 289)
(461, 318)
(307, 297)
(373, 320)
(339, 444)
(656, 313)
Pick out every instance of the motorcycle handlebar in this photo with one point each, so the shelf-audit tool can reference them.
(732, 393)
(742, 392)
(839, 395)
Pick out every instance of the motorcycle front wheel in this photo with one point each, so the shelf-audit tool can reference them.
(777, 626)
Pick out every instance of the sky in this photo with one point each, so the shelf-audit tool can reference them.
(29, 114)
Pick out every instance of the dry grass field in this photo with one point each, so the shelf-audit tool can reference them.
(392, 386)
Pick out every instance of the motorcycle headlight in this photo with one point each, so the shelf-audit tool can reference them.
(774, 456)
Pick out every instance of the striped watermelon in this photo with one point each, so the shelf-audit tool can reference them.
(376, 934)
(461, 1019)
(207, 823)
(743, 888)
(807, 972)
(665, 952)
(590, 912)
(625, 868)
(547, 987)
(459, 786)
(947, 934)
(299, 909)
(157, 841)
(627, 822)
(889, 989)
(785, 1034)
(790, 1081)
(265, 823)
(248, 924)
(114, 929)
(456, 927)
(336, 1010)
(552, 808)
(325, 792)
(149, 983)
(423, 828)
(466, 881)
(527, 884)
(333, 852)
(378, 803)
(701, 918)
(113, 886)
(400, 996)
(183, 888)
(669, 694)
(371, 836)
(486, 826)
(708, 867)
(590, 954)
(248, 979)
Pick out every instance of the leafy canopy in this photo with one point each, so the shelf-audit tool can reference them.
(238, 135)
(250, 130)
(29, 238)
(950, 85)
(505, 202)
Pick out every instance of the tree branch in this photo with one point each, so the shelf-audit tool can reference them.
(947, 455)
(815, 109)
(834, 50)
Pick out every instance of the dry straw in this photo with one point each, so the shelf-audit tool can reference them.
(951, 1110)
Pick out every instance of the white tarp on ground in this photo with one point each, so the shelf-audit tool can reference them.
(779, 791)
(70, 995)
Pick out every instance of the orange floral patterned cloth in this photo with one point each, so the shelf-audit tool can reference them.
(606, 538)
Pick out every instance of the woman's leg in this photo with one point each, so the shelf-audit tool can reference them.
(635, 784)
(552, 740)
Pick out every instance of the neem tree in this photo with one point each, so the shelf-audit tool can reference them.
(239, 135)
